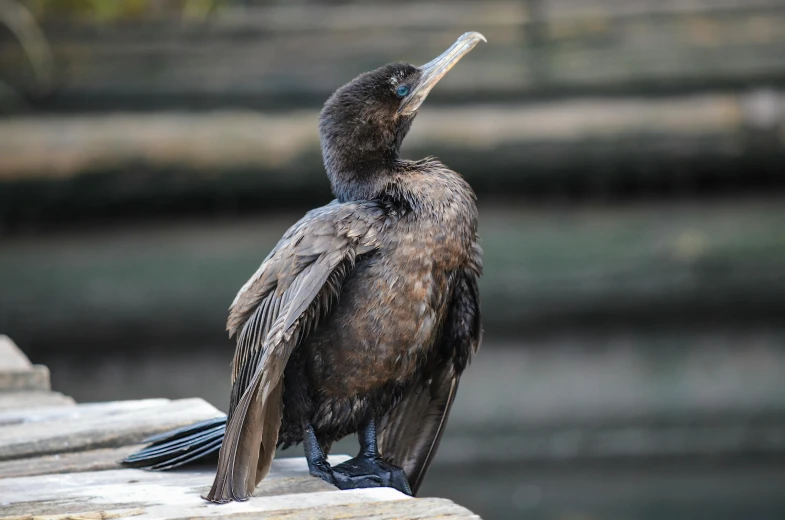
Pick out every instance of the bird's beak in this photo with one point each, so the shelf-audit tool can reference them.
(435, 70)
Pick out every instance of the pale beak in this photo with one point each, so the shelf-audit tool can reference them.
(435, 70)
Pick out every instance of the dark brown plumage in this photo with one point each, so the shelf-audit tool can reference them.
(366, 313)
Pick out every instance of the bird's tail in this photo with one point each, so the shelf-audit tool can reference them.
(197, 442)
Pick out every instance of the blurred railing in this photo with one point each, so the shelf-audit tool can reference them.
(597, 98)
(268, 54)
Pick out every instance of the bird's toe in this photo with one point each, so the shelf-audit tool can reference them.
(362, 472)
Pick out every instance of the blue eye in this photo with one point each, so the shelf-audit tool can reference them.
(402, 91)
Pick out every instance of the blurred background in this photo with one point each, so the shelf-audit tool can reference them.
(628, 155)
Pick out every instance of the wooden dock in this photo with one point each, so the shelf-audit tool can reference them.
(59, 460)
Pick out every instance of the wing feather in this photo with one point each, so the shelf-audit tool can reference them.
(280, 305)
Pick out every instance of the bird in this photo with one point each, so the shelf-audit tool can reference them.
(362, 318)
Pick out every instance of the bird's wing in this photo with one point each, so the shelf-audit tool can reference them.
(409, 435)
(292, 290)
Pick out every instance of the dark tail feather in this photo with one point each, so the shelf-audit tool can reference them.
(197, 442)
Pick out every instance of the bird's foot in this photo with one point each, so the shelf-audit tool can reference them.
(369, 471)
(364, 471)
(342, 480)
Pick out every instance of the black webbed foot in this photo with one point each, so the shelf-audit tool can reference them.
(368, 469)
(365, 471)
(319, 467)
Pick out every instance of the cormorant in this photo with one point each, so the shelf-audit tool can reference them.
(365, 314)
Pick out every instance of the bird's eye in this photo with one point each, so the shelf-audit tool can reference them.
(402, 91)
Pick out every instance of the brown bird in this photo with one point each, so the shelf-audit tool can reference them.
(363, 317)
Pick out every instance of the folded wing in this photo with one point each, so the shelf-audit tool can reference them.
(274, 311)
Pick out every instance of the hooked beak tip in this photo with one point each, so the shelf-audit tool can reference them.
(434, 70)
(475, 34)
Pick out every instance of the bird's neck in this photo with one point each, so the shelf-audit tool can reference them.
(360, 169)
(357, 177)
(362, 159)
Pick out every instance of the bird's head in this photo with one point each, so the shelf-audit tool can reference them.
(362, 125)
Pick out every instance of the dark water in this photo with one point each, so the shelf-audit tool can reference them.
(682, 491)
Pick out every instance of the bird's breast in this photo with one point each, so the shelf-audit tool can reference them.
(388, 317)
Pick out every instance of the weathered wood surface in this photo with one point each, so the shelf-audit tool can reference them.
(287, 492)
(11, 358)
(285, 475)
(177, 495)
(17, 374)
(424, 508)
(68, 462)
(171, 495)
(44, 431)
(284, 51)
(32, 399)
(34, 378)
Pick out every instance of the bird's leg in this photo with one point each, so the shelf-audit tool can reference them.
(319, 467)
(369, 465)
(317, 462)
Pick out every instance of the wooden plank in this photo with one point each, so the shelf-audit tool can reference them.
(109, 459)
(82, 427)
(91, 460)
(423, 508)
(16, 372)
(35, 378)
(32, 399)
(173, 494)
(284, 470)
(53, 413)
(11, 357)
